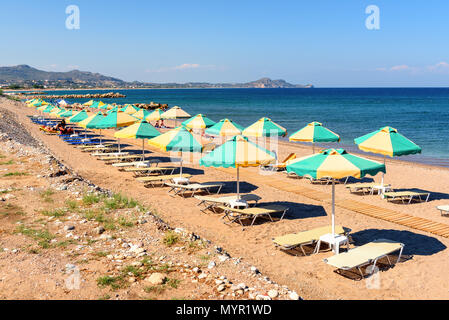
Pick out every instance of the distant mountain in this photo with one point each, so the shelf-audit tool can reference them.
(22, 73)
(27, 77)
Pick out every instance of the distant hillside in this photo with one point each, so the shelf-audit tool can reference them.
(28, 77)
(24, 72)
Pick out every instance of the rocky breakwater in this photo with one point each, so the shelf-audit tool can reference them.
(107, 95)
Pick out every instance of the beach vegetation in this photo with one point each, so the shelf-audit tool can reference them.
(173, 282)
(118, 201)
(90, 199)
(42, 236)
(170, 238)
(7, 162)
(9, 208)
(15, 174)
(54, 213)
(116, 282)
(72, 204)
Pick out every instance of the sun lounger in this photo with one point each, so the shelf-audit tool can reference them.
(324, 180)
(264, 211)
(281, 165)
(145, 171)
(137, 164)
(407, 195)
(212, 202)
(181, 189)
(306, 238)
(364, 187)
(110, 155)
(444, 210)
(153, 180)
(120, 158)
(368, 254)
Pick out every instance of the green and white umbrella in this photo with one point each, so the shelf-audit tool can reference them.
(238, 152)
(334, 164)
(314, 132)
(388, 142)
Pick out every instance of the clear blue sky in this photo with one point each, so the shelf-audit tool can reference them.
(324, 42)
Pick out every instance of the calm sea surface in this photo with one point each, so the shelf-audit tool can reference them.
(421, 114)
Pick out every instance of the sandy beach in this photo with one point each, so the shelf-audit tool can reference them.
(417, 276)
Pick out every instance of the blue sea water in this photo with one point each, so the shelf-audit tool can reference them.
(421, 114)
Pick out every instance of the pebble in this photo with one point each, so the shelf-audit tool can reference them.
(221, 287)
(156, 278)
(293, 296)
(211, 265)
(273, 293)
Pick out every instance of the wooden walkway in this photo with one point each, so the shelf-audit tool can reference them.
(389, 215)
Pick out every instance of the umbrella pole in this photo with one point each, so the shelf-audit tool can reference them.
(118, 139)
(333, 207)
(100, 137)
(313, 147)
(382, 183)
(143, 149)
(180, 170)
(238, 183)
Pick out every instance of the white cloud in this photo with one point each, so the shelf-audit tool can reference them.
(400, 67)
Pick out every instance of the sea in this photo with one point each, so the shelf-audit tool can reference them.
(420, 114)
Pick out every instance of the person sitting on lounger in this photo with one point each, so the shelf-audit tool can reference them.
(162, 124)
(61, 127)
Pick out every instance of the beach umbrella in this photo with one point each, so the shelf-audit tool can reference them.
(139, 130)
(238, 152)
(54, 112)
(88, 103)
(199, 121)
(62, 102)
(96, 104)
(225, 128)
(115, 109)
(178, 139)
(335, 164)
(66, 114)
(116, 120)
(314, 132)
(105, 106)
(129, 109)
(264, 127)
(91, 122)
(388, 142)
(141, 114)
(78, 117)
(49, 109)
(155, 115)
(175, 113)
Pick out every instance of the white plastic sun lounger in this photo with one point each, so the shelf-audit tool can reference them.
(306, 238)
(211, 202)
(444, 210)
(181, 189)
(368, 254)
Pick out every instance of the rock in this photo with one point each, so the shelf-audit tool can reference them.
(211, 265)
(223, 258)
(156, 278)
(254, 270)
(221, 287)
(67, 228)
(273, 293)
(218, 282)
(202, 276)
(99, 230)
(262, 297)
(293, 296)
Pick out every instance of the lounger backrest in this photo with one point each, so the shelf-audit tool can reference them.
(307, 236)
